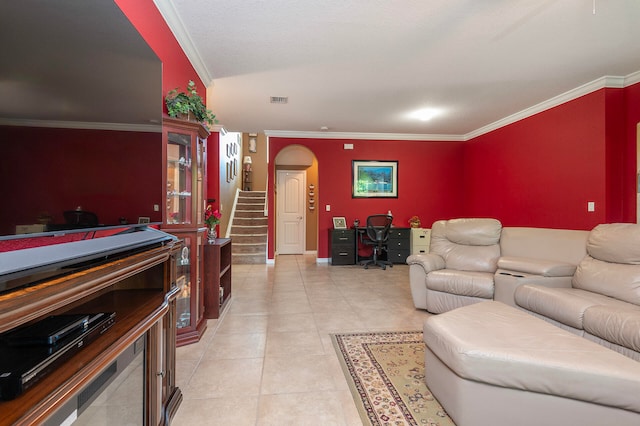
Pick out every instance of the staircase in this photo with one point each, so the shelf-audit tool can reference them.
(249, 229)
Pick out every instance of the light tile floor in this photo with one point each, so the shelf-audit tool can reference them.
(269, 360)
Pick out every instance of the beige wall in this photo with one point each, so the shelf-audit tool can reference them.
(258, 160)
(312, 215)
(229, 183)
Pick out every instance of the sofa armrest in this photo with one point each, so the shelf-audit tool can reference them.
(429, 262)
(545, 268)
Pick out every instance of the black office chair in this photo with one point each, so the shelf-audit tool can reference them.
(377, 231)
(80, 218)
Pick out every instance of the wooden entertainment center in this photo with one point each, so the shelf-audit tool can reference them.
(138, 284)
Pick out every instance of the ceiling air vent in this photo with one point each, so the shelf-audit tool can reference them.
(279, 99)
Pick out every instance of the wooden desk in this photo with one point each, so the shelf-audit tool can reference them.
(398, 244)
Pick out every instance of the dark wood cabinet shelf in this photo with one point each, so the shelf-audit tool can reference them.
(133, 308)
(217, 276)
(140, 289)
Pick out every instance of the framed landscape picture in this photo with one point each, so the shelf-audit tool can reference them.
(371, 179)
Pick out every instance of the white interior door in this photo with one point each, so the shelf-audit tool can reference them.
(290, 186)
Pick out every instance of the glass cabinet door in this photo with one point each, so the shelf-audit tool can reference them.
(200, 182)
(185, 152)
(179, 179)
(183, 281)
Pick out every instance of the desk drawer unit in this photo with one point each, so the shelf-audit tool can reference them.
(420, 240)
(398, 245)
(343, 247)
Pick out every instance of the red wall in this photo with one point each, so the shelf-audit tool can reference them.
(176, 71)
(542, 170)
(176, 67)
(429, 182)
(632, 109)
(114, 174)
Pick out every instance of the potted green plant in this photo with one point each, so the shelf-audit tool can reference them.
(188, 104)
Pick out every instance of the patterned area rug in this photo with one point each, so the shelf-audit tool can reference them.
(385, 372)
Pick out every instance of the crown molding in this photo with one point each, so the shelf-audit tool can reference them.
(151, 128)
(175, 24)
(632, 78)
(366, 136)
(585, 89)
(590, 87)
(216, 127)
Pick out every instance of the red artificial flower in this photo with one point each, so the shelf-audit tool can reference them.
(211, 217)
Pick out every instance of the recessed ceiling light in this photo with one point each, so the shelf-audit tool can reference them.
(424, 114)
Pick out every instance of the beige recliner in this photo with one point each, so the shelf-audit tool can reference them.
(459, 268)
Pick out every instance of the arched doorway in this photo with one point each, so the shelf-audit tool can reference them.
(296, 194)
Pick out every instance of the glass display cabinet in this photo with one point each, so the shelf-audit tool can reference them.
(179, 179)
(185, 144)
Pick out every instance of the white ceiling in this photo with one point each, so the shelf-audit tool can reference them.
(364, 65)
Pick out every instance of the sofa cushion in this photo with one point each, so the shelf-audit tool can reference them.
(546, 268)
(462, 283)
(615, 324)
(561, 245)
(473, 232)
(490, 342)
(467, 244)
(617, 280)
(615, 242)
(565, 305)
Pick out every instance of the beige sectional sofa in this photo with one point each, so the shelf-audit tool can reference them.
(473, 260)
(490, 364)
(495, 361)
(602, 302)
(586, 282)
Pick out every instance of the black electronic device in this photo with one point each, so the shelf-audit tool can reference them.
(48, 331)
(22, 365)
